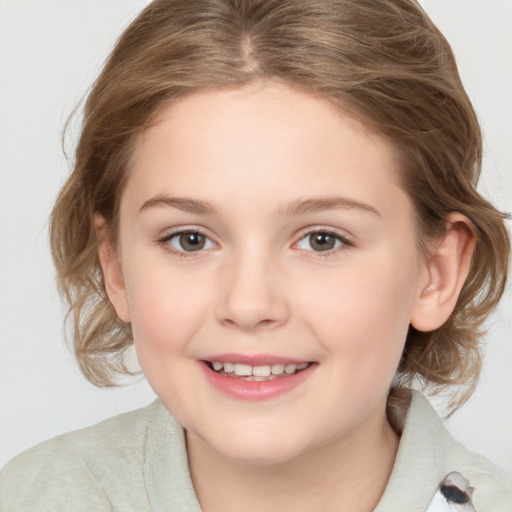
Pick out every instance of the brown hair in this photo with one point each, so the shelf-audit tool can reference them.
(382, 61)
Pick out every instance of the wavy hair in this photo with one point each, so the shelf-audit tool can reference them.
(382, 61)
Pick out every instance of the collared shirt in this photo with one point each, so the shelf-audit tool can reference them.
(138, 462)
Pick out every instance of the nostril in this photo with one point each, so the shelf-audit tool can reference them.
(250, 319)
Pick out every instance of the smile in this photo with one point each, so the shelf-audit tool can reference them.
(265, 378)
(256, 373)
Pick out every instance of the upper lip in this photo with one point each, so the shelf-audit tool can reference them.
(254, 359)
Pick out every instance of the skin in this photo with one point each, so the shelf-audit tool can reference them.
(259, 287)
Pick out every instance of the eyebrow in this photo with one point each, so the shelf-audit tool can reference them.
(316, 204)
(181, 203)
(295, 207)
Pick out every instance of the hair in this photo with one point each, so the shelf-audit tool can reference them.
(381, 61)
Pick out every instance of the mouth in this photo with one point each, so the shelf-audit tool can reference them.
(254, 377)
(259, 373)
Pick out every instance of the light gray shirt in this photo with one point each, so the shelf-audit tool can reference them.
(138, 462)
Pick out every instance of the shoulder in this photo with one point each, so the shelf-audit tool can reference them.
(83, 467)
(491, 484)
(427, 454)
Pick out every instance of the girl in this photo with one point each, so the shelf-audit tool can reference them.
(274, 202)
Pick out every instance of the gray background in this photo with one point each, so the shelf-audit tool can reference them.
(49, 54)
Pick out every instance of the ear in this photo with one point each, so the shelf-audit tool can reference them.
(111, 267)
(447, 269)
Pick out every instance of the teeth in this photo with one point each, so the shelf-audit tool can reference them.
(261, 371)
(258, 373)
(243, 370)
(229, 367)
(290, 368)
(278, 369)
(260, 379)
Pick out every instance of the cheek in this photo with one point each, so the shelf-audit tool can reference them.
(166, 309)
(362, 313)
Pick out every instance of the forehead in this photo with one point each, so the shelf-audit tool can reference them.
(258, 138)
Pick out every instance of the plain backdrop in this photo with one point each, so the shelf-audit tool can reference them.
(50, 53)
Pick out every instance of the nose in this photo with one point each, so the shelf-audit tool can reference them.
(253, 295)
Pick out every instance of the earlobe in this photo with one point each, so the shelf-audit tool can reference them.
(447, 269)
(112, 270)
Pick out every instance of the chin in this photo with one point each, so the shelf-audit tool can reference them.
(257, 457)
(252, 449)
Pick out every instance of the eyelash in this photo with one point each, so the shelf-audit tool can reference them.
(345, 243)
(164, 242)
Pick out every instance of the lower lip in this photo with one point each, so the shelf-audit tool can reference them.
(255, 390)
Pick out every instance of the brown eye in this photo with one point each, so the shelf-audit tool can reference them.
(187, 241)
(191, 241)
(321, 241)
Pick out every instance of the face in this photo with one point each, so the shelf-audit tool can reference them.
(268, 266)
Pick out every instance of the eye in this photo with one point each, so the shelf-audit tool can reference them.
(187, 241)
(322, 241)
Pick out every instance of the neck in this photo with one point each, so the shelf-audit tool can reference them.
(348, 474)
